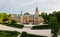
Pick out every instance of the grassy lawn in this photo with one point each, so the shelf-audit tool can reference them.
(24, 34)
(41, 27)
(31, 35)
(8, 33)
(14, 25)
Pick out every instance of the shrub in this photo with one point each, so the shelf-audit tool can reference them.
(13, 22)
(8, 33)
(24, 34)
(41, 27)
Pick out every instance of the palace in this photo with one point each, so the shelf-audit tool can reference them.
(27, 18)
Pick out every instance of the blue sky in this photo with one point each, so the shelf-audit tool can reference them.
(15, 6)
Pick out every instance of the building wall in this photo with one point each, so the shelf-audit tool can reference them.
(31, 20)
(36, 17)
(26, 19)
(21, 19)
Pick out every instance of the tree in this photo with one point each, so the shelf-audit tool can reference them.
(13, 22)
(3, 17)
(26, 13)
(9, 21)
(45, 16)
(54, 25)
(58, 16)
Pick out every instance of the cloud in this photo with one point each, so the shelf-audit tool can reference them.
(32, 2)
(14, 6)
(28, 3)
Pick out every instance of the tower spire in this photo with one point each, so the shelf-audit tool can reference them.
(36, 9)
(21, 12)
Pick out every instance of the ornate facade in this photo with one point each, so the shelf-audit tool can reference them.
(27, 18)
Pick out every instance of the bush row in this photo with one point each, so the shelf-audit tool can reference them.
(15, 25)
(24, 34)
(8, 33)
(41, 27)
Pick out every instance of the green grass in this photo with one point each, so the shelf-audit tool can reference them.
(24, 34)
(8, 33)
(14, 25)
(32, 35)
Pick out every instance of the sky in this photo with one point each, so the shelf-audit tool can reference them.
(15, 6)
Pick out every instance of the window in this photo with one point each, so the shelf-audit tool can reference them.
(36, 21)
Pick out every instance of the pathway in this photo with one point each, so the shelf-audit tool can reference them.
(46, 32)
